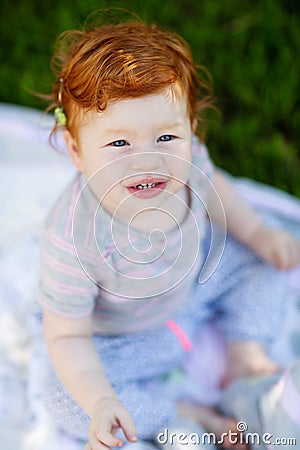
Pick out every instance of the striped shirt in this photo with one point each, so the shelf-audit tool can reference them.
(129, 280)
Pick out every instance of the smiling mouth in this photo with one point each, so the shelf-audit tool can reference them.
(148, 188)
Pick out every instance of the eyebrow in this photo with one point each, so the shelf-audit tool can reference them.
(116, 131)
(171, 126)
(162, 127)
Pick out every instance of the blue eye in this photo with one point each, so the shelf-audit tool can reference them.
(119, 143)
(165, 138)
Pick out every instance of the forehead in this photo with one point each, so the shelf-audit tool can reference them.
(166, 106)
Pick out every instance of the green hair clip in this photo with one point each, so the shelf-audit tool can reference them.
(59, 112)
(60, 116)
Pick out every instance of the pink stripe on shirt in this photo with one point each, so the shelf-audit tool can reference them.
(67, 288)
(64, 268)
(70, 248)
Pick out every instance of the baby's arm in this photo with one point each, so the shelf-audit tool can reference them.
(79, 368)
(273, 245)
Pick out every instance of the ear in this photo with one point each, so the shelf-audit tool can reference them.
(73, 151)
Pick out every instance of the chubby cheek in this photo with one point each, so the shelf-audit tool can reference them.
(180, 180)
(180, 169)
(104, 177)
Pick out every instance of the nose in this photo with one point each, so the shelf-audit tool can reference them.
(146, 161)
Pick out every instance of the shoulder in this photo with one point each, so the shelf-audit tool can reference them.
(70, 228)
(59, 218)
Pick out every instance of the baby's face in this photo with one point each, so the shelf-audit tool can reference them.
(136, 154)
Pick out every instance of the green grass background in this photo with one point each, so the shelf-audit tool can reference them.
(251, 48)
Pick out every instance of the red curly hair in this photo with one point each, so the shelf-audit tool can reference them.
(114, 62)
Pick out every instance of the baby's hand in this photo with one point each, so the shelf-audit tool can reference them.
(276, 246)
(108, 417)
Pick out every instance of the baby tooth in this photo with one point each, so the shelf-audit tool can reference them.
(146, 185)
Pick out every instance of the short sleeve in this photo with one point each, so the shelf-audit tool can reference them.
(64, 286)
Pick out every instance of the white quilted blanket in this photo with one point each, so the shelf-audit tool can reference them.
(32, 176)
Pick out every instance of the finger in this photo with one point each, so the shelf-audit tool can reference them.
(282, 258)
(292, 255)
(287, 261)
(108, 439)
(97, 444)
(128, 426)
